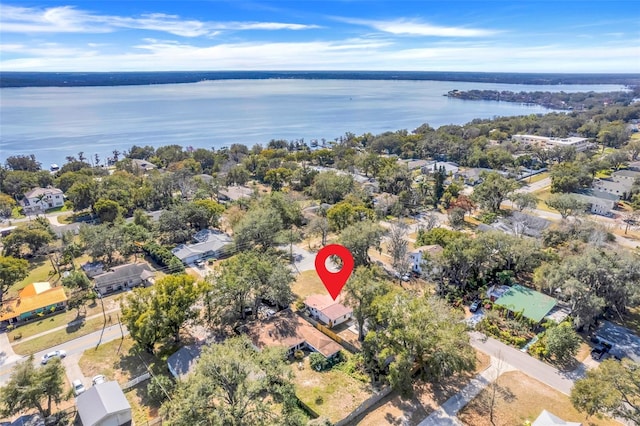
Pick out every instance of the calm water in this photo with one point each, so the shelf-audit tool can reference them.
(54, 122)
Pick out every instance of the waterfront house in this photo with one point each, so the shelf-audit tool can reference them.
(41, 199)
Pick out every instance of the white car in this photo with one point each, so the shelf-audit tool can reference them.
(98, 379)
(55, 354)
(78, 387)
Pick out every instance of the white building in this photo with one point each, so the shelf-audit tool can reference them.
(580, 144)
(41, 199)
(329, 311)
(418, 256)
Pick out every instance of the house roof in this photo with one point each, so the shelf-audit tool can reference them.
(236, 192)
(214, 242)
(100, 401)
(287, 329)
(431, 249)
(627, 173)
(143, 164)
(533, 304)
(33, 296)
(183, 360)
(35, 192)
(547, 419)
(332, 309)
(123, 273)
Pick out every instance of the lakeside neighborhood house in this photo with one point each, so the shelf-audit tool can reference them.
(123, 277)
(419, 255)
(210, 244)
(329, 311)
(183, 361)
(104, 404)
(546, 142)
(291, 331)
(33, 300)
(142, 165)
(41, 199)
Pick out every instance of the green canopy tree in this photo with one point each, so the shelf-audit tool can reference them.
(562, 342)
(360, 292)
(566, 204)
(30, 387)
(12, 270)
(493, 190)
(142, 315)
(611, 389)
(359, 238)
(235, 385)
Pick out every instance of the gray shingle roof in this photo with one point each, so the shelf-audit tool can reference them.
(99, 401)
(183, 361)
(123, 273)
(215, 242)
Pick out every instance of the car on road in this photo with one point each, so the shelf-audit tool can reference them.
(50, 355)
(78, 387)
(474, 306)
(98, 379)
(598, 352)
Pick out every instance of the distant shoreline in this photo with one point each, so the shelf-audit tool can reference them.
(88, 79)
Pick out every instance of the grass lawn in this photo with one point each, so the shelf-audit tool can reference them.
(40, 270)
(117, 361)
(394, 410)
(58, 337)
(521, 398)
(332, 394)
(308, 283)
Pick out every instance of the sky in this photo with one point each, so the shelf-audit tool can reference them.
(580, 36)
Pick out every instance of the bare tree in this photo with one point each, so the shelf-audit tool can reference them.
(320, 225)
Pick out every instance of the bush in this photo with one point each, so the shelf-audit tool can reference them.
(488, 218)
(318, 362)
(298, 354)
(17, 336)
(159, 387)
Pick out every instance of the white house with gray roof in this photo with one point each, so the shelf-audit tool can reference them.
(210, 244)
(104, 405)
(124, 277)
(41, 199)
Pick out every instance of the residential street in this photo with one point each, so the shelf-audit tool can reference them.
(561, 381)
(73, 347)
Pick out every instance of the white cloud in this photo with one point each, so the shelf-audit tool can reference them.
(349, 54)
(419, 28)
(68, 19)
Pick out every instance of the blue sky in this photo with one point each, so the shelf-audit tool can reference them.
(422, 35)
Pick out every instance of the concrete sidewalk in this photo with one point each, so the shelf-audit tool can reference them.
(446, 414)
(62, 327)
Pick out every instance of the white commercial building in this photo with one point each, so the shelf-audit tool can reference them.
(580, 144)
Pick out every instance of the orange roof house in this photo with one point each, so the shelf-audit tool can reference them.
(32, 300)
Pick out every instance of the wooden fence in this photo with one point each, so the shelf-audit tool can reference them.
(364, 407)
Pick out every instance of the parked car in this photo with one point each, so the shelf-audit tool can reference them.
(199, 263)
(475, 306)
(598, 352)
(78, 387)
(405, 277)
(98, 379)
(55, 354)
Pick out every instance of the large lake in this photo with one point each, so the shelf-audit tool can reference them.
(55, 122)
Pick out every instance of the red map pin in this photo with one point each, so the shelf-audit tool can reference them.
(334, 281)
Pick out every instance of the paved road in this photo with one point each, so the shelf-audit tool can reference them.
(535, 186)
(561, 381)
(72, 347)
